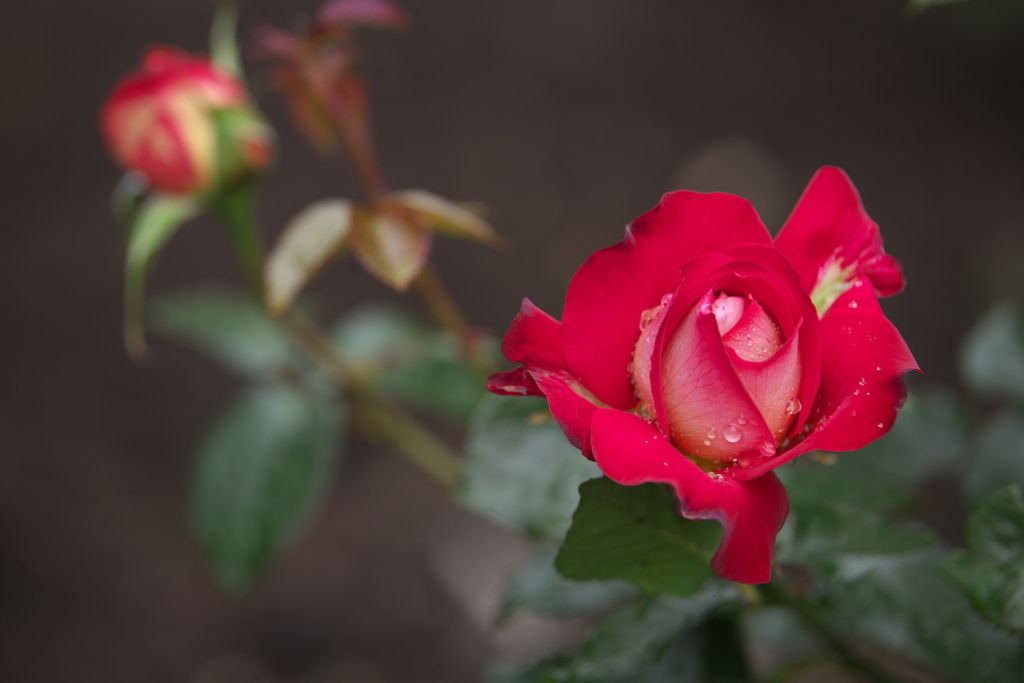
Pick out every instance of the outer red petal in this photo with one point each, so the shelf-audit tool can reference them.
(829, 221)
(864, 361)
(616, 284)
(572, 412)
(632, 452)
(534, 339)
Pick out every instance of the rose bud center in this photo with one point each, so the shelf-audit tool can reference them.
(723, 407)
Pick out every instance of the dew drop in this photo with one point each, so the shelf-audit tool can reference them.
(706, 442)
(767, 448)
(712, 433)
(793, 406)
(732, 433)
(742, 419)
(878, 369)
(862, 381)
(881, 426)
(856, 392)
(750, 342)
(666, 300)
(853, 413)
(852, 304)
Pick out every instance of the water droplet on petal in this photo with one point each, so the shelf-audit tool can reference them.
(853, 413)
(667, 299)
(767, 448)
(862, 381)
(706, 442)
(852, 304)
(881, 426)
(712, 433)
(878, 369)
(793, 406)
(856, 392)
(742, 419)
(732, 433)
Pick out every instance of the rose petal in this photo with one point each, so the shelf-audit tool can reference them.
(571, 411)
(631, 452)
(616, 284)
(534, 338)
(864, 361)
(829, 226)
(700, 401)
(515, 382)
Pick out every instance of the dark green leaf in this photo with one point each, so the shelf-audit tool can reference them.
(998, 457)
(540, 589)
(992, 573)
(827, 535)
(777, 636)
(236, 205)
(632, 640)
(992, 359)
(929, 436)
(262, 470)
(227, 326)
(153, 225)
(520, 471)
(903, 603)
(634, 533)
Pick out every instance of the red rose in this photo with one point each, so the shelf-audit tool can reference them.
(159, 121)
(699, 353)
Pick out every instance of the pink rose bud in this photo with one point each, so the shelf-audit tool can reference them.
(163, 121)
(701, 353)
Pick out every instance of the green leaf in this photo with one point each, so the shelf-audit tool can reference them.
(634, 533)
(539, 588)
(997, 458)
(445, 216)
(520, 471)
(992, 358)
(126, 197)
(236, 204)
(392, 246)
(634, 639)
(443, 386)
(904, 604)
(227, 326)
(223, 44)
(154, 224)
(376, 336)
(828, 535)
(930, 436)
(315, 236)
(992, 572)
(261, 472)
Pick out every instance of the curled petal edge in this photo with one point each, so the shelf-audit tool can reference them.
(631, 452)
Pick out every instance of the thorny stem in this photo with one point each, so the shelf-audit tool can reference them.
(847, 654)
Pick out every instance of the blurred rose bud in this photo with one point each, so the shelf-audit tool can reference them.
(184, 124)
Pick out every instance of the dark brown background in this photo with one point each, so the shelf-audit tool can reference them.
(569, 117)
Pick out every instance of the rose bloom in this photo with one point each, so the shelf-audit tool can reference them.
(159, 121)
(700, 353)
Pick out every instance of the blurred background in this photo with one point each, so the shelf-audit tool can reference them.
(568, 118)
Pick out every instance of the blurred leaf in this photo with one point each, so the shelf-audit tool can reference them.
(539, 588)
(445, 216)
(829, 534)
(992, 358)
(443, 386)
(223, 44)
(929, 436)
(154, 224)
(227, 326)
(520, 471)
(997, 458)
(392, 247)
(902, 603)
(309, 242)
(992, 572)
(632, 640)
(633, 532)
(777, 636)
(380, 336)
(263, 468)
(126, 197)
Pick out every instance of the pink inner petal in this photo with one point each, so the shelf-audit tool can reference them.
(756, 336)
